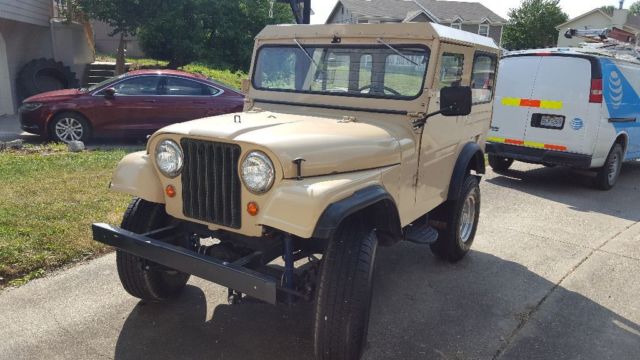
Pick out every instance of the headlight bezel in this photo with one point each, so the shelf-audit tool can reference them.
(271, 176)
(29, 107)
(175, 146)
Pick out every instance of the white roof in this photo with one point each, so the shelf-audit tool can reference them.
(447, 32)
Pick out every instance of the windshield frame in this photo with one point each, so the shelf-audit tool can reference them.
(293, 45)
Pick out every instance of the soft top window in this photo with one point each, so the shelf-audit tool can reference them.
(363, 71)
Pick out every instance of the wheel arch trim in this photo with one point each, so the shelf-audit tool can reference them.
(471, 157)
(373, 199)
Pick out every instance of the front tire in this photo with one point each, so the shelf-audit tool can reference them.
(499, 163)
(461, 218)
(139, 277)
(343, 299)
(607, 175)
(69, 126)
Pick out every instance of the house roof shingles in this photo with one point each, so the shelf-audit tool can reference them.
(444, 11)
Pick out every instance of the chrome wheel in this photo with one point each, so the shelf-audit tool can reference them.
(614, 168)
(468, 217)
(69, 129)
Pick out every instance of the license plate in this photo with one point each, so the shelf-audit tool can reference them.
(552, 121)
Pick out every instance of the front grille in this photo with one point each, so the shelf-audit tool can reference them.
(210, 182)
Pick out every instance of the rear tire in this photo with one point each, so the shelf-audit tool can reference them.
(608, 174)
(139, 277)
(499, 163)
(461, 218)
(343, 300)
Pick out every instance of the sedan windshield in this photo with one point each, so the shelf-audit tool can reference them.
(376, 71)
(105, 82)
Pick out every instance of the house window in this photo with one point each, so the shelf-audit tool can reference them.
(456, 25)
(483, 30)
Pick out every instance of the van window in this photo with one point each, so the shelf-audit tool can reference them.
(451, 69)
(483, 78)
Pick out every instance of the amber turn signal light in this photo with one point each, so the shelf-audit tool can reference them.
(252, 208)
(170, 191)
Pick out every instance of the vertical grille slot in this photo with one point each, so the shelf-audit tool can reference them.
(210, 182)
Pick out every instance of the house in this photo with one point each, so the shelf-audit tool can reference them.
(469, 16)
(598, 19)
(108, 45)
(29, 30)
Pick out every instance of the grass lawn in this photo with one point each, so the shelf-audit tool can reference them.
(50, 199)
(226, 77)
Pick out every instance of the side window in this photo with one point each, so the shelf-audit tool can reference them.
(335, 78)
(364, 79)
(483, 78)
(183, 87)
(451, 70)
(403, 75)
(138, 86)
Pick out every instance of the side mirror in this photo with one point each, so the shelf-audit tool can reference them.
(109, 93)
(455, 101)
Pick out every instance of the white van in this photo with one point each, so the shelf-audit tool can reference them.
(566, 107)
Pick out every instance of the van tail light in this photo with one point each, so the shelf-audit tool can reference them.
(595, 96)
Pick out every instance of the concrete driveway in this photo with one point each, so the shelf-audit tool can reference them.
(554, 275)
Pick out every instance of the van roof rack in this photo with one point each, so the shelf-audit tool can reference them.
(613, 42)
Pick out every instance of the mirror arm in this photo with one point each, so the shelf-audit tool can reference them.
(422, 121)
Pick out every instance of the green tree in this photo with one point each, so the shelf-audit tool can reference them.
(608, 9)
(176, 32)
(124, 16)
(533, 25)
(233, 26)
(635, 8)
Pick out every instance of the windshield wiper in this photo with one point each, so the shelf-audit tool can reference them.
(306, 53)
(397, 52)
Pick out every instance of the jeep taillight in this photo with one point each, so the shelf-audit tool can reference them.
(595, 96)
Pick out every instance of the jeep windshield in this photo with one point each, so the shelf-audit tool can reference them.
(375, 71)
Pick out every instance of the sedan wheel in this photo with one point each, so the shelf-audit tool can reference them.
(69, 127)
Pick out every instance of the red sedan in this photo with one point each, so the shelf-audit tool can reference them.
(134, 104)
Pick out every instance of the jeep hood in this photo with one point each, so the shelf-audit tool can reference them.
(327, 145)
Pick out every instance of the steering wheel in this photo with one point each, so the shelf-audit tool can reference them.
(386, 88)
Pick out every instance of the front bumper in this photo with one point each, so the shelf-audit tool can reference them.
(33, 122)
(539, 156)
(231, 275)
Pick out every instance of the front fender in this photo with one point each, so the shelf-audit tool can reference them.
(135, 175)
(296, 206)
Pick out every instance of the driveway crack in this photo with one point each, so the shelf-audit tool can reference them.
(529, 314)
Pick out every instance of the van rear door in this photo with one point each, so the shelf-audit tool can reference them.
(516, 79)
(561, 117)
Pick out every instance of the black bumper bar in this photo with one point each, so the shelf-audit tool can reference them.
(230, 275)
(539, 156)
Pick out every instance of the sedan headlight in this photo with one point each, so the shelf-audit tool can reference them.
(169, 158)
(257, 172)
(26, 107)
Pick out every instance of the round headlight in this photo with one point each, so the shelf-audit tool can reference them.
(257, 172)
(169, 158)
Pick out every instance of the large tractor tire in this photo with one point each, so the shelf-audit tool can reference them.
(42, 75)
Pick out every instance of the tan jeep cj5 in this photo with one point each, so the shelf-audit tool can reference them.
(352, 137)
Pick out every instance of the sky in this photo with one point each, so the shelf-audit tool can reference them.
(322, 8)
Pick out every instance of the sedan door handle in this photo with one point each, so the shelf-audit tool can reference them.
(150, 101)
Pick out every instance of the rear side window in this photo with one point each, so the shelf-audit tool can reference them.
(183, 87)
(483, 78)
(451, 70)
